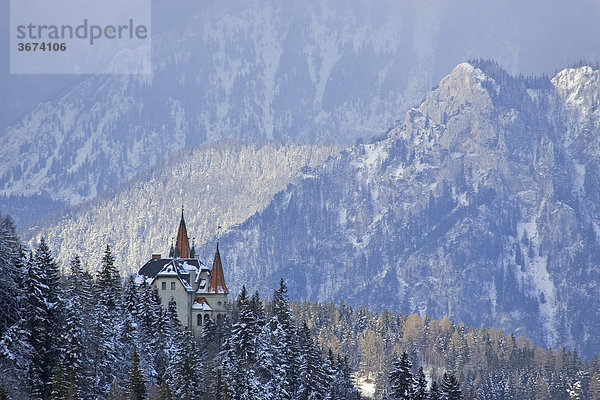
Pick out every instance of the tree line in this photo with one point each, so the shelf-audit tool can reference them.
(487, 363)
(79, 336)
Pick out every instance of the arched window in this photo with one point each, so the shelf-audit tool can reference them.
(206, 318)
(199, 319)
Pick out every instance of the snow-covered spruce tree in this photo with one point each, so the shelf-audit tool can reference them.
(164, 392)
(239, 379)
(136, 385)
(58, 383)
(160, 343)
(401, 381)
(11, 271)
(211, 343)
(450, 389)
(131, 297)
(129, 329)
(344, 381)
(245, 332)
(258, 310)
(240, 352)
(15, 359)
(107, 354)
(285, 338)
(185, 371)
(153, 328)
(270, 371)
(30, 345)
(434, 392)
(14, 354)
(146, 312)
(44, 318)
(420, 385)
(313, 382)
(73, 344)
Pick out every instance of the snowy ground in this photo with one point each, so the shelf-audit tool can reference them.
(365, 386)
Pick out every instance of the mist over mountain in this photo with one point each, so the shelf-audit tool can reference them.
(312, 72)
(481, 205)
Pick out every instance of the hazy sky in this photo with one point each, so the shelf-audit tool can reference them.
(530, 37)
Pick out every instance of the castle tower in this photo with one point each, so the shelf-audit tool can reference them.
(217, 281)
(182, 244)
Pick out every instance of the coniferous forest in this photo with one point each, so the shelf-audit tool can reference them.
(69, 333)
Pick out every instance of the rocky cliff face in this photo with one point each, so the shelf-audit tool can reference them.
(483, 205)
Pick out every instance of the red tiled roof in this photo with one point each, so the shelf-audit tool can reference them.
(217, 280)
(183, 243)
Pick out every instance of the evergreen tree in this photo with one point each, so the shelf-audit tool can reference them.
(10, 272)
(450, 389)
(108, 355)
(283, 336)
(77, 343)
(43, 319)
(401, 378)
(434, 392)
(164, 392)
(137, 386)
(131, 298)
(244, 333)
(237, 371)
(575, 392)
(72, 344)
(4, 393)
(594, 387)
(72, 385)
(172, 317)
(58, 384)
(108, 283)
(343, 380)
(185, 370)
(420, 386)
(209, 349)
(312, 381)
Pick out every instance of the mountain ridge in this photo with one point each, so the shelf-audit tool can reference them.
(140, 217)
(326, 73)
(473, 208)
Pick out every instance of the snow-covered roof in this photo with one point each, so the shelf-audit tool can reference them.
(200, 304)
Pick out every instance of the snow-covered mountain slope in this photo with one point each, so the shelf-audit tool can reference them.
(245, 70)
(310, 71)
(220, 184)
(483, 205)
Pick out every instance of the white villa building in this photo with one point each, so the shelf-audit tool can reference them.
(199, 292)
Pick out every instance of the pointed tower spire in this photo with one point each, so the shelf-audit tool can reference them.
(182, 244)
(217, 279)
(172, 250)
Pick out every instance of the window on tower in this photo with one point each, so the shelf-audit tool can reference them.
(199, 319)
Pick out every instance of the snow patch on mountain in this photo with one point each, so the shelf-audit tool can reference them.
(536, 273)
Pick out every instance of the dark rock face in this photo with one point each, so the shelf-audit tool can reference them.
(483, 205)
